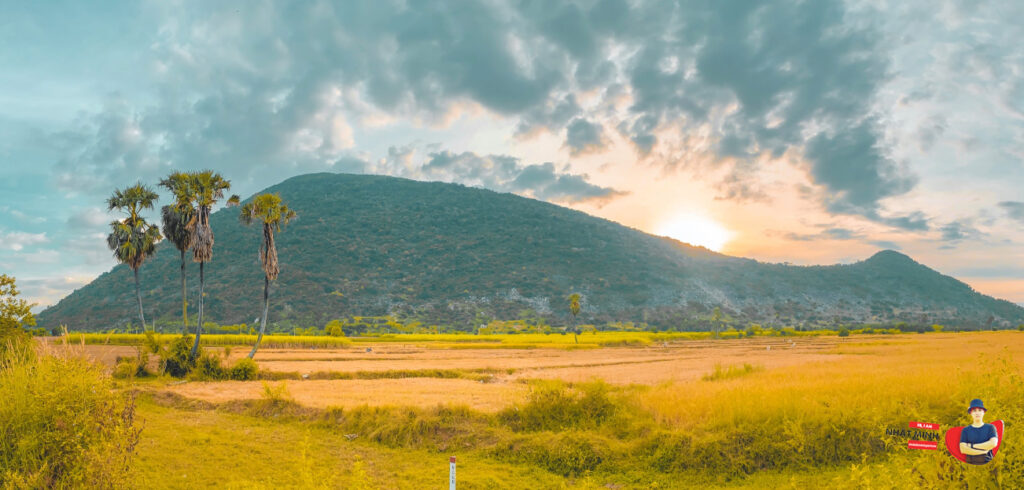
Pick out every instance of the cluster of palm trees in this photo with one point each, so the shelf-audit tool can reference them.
(186, 224)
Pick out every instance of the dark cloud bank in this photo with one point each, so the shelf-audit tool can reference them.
(259, 90)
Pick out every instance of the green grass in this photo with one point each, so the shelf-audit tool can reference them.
(214, 449)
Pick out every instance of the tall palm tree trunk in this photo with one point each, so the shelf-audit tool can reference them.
(263, 321)
(184, 297)
(138, 297)
(199, 326)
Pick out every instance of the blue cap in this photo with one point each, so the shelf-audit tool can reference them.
(976, 403)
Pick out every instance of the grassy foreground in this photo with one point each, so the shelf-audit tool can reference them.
(817, 425)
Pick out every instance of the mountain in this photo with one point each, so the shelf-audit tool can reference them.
(454, 255)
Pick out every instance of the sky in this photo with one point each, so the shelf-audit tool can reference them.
(807, 132)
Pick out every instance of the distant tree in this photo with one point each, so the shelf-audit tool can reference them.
(132, 239)
(716, 320)
(334, 328)
(843, 332)
(176, 219)
(15, 314)
(574, 308)
(269, 210)
(207, 188)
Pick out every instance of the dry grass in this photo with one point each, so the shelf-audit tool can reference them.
(421, 392)
(815, 415)
(914, 375)
(671, 361)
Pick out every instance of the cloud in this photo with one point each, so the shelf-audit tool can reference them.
(22, 216)
(854, 170)
(18, 240)
(109, 146)
(769, 78)
(958, 230)
(832, 233)
(915, 221)
(885, 244)
(269, 90)
(507, 174)
(553, 115)
(91, 248)
(1013, 272)
(584, 136)
(89, 218)
(46, 291)
(41, 257)
(1014, 209)
(350, 165)
(544, 183)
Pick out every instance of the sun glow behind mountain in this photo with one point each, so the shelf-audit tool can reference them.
(696, 230)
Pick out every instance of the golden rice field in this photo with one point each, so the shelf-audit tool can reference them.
(659, 412)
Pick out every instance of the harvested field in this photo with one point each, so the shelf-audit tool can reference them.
(423, 392)
(416, 366)
(680, 360)
(666, 362)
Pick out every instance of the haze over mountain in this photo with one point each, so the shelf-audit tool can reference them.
(449, 254)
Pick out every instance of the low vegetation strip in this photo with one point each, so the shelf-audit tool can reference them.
(588, 340)
(483, 375)
(269, 341)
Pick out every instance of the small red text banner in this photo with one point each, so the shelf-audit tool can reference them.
(924, 425)
(922, 445)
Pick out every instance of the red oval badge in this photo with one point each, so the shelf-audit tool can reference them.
(953, 440)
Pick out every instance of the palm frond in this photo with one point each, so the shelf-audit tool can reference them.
(269, 210)
(175, 227)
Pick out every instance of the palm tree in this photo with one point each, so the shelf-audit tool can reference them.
(206, 187)
(574, 308)
(132, 239)
(176, 218)
(269, 210)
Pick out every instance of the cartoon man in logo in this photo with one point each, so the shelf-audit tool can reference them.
(978, 439)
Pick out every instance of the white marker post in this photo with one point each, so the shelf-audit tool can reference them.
(451, 473)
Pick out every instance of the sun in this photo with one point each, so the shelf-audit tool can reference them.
(696, 230)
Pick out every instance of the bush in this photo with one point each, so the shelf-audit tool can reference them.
(62, 423)
(566, 454)
(729, 372)
(152, 343)
(131, 367)
(209, 368)
(844, 332)
(179, 361)
(244, 370)
(126, 368)
(553, 406)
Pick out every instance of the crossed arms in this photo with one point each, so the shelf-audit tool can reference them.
(979, 447)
